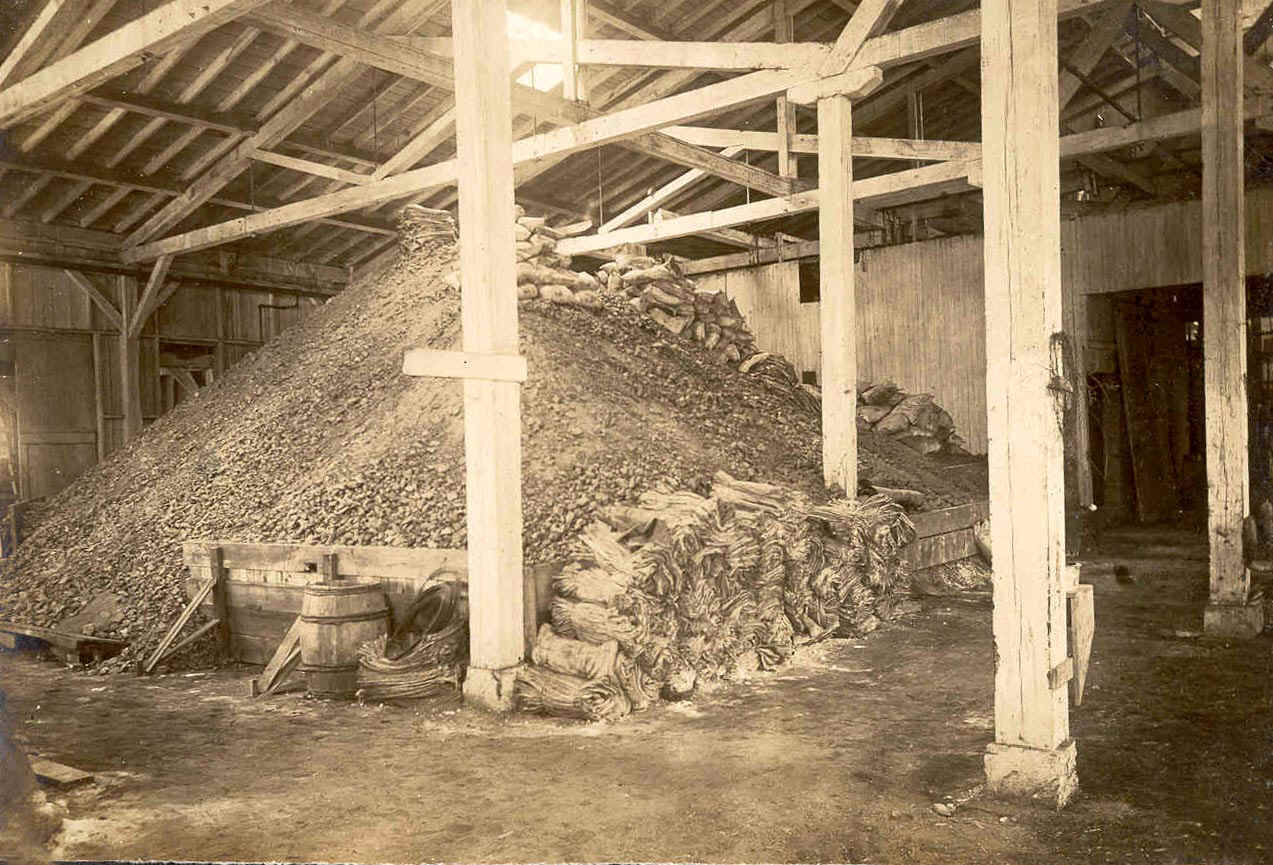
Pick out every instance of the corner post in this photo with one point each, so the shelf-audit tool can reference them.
(492, 409)
(129, 360)
(838, 310)
(1032, 755)
(1228, 612)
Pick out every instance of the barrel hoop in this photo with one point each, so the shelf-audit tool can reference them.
(328, 668)
(368, 616)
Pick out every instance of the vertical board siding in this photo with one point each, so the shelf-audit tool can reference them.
(922, 324)
(921, 306)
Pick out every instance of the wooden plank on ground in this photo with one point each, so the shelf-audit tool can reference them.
(58, 774)
(940, 549)
(930, 523)
(273, 672)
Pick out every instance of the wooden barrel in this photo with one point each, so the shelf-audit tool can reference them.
(336, 618)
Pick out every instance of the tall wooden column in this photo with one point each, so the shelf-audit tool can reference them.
(784, 31)
(838, 306)
(129, 360)
(1224, 319)
(1032, 754)
(492, 409)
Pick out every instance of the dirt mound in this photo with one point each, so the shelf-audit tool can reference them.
(319, 438)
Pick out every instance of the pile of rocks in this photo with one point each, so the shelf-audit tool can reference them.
(660, 290)
(915, 420)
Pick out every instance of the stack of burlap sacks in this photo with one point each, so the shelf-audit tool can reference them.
(912, 419)
(541, 272)
(660, 290)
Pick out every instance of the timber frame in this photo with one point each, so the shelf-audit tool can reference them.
(149, 142)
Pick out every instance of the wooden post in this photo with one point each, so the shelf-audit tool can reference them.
(129, 360)
(784, 31)
(1224, 319)
(99, 395)
(220, 600)
(1032, 755)
(574, 15)
(492, 409)
(838, 312)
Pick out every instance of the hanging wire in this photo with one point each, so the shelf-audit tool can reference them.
(747, 162)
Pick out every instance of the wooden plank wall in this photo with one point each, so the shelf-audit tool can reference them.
(921, 313)
(41, 307)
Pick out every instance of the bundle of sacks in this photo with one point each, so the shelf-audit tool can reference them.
(662, 291)
(912, 419)
(684, 589)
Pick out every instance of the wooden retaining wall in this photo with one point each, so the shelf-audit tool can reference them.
(945, 536)
(265, 583)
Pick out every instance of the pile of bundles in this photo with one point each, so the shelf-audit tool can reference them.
(421, 228)
(660, 290)
(684, 588)
(912, 419)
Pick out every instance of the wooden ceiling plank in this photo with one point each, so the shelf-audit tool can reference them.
(126, 48)
(34, 33)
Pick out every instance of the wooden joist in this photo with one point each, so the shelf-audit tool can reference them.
(863, 145)
(158, 31)
(870, 18)
(32, 35)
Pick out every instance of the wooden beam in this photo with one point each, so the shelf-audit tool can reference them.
(943, 35)
(863, 146)
(1259, 31)
(283, 122)
(838, 310)
(573, 21)
(1020, 121)
(149, 297)
(308, 166)
(492, 425)
(1224, 315)
(175, 22)
(588, 134)
(784, 33)
(1256, 75)
(29, 38)
(870, 18)
(1093, 47)
(882, 190)
(62, 42)
(95, 294)
(607, 13)
(729, 236)
(661, 196)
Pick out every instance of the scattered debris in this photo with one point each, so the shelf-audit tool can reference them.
(57, 775)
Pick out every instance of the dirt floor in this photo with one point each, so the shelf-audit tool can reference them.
(839, 757)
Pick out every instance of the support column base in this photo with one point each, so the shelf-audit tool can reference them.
(1233, 621)
(1015, 771)
(491, 690)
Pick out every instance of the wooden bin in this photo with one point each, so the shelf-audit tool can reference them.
(336, 618)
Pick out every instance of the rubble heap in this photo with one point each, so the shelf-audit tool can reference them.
(319, 438)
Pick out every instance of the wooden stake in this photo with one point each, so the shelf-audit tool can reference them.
(492, 409)
(1020, 121)
(838, 311)
(220, 600)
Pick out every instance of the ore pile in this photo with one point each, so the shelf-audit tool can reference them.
(318, 438)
